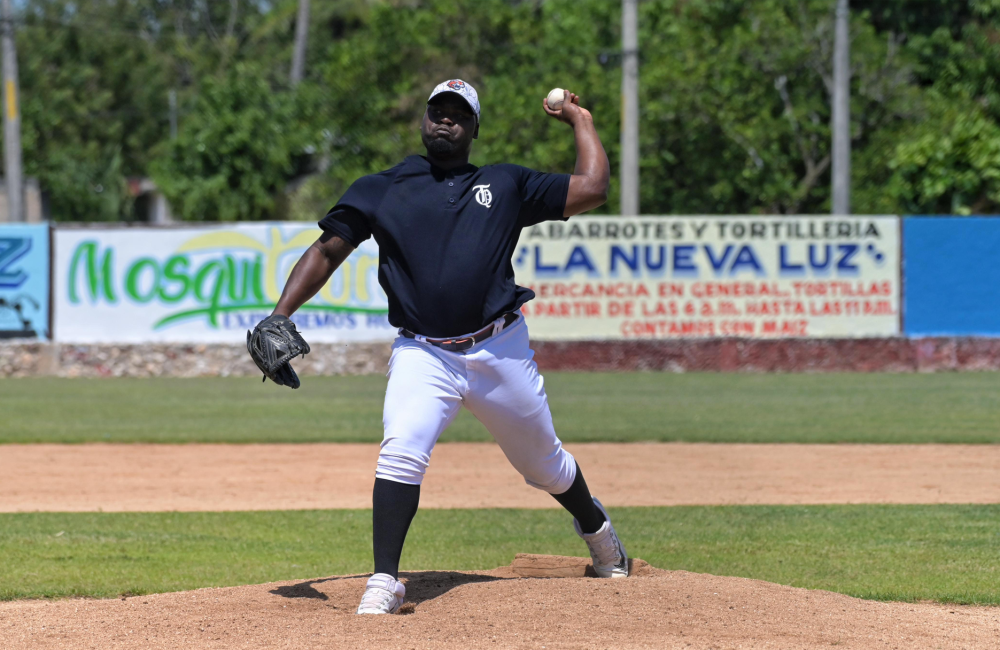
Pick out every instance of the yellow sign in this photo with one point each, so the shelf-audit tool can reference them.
(11, 100)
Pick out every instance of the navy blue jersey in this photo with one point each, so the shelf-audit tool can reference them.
(446, 238)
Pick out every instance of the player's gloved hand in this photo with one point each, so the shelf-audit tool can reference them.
(272, 344)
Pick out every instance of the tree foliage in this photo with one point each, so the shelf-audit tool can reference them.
(735, 98)
(947, 159)
(236, 149)
(87, 104)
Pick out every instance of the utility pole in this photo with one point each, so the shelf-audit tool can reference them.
(841, 171)
(11, 119)
(301, 36)
(172, 105)
(629, 172)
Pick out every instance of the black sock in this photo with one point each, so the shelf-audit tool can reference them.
(581, 505)
(393, 507)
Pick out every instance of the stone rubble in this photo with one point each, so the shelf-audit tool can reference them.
(26, 359)
(178, 360)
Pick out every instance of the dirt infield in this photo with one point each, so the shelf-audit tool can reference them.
(213, 477)
(496, 609)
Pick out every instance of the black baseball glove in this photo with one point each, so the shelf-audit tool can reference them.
(272, 344)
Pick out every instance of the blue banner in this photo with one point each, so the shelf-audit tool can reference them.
(952, 276)
(24, 281)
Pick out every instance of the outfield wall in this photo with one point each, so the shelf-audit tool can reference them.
(752, 293)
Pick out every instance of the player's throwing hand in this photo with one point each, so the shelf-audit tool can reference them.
(570, 111)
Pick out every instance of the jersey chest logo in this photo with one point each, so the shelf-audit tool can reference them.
(483, 195)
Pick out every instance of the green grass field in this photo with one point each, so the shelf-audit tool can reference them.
(947, 553)
(889, 408)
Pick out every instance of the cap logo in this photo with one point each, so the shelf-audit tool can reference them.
(483, 195)
(460, 88)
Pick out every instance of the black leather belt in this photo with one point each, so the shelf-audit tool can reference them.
(463, 344)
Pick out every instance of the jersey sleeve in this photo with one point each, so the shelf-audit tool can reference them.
(347, 223)
(353, 216)
(543, 196)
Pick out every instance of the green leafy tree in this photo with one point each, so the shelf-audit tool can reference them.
(236, 149)
(949, 164)
(92, 106)
(377, 80)
(734, 95)
(742, 98)
(735, 99)
(947, 158)
(95, 76)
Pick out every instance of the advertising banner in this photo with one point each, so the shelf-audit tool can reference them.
(205, 284)
(952, 276)
(24, 281)
(704, 277)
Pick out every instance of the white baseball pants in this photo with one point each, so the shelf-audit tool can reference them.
(498, 381)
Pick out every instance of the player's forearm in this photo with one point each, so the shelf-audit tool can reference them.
(592, 175)
(311, 272)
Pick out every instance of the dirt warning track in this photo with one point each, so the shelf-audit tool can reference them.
(497, 609)
(212, 477)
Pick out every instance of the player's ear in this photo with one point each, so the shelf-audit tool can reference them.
(475, 134)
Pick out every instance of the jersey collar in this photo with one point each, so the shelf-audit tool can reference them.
(425, 165)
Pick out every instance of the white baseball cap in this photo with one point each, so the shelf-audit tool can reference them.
(460, 88)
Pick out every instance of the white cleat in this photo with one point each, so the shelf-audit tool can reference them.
(383, 595)
(606, 550)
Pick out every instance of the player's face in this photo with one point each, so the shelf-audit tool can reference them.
(449, 126)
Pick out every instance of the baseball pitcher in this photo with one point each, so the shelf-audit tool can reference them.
(446, 231)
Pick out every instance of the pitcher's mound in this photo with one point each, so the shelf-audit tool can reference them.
(652, 608)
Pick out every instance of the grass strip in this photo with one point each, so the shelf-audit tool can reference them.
(875, 408)
(885, 552)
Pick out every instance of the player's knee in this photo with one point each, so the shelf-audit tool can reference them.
(555, 475)
(401, 466)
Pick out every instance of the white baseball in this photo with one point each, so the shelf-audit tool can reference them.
(555, 98)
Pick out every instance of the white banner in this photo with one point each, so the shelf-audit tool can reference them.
(207, 285)
(703, 277)
(595, 278)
